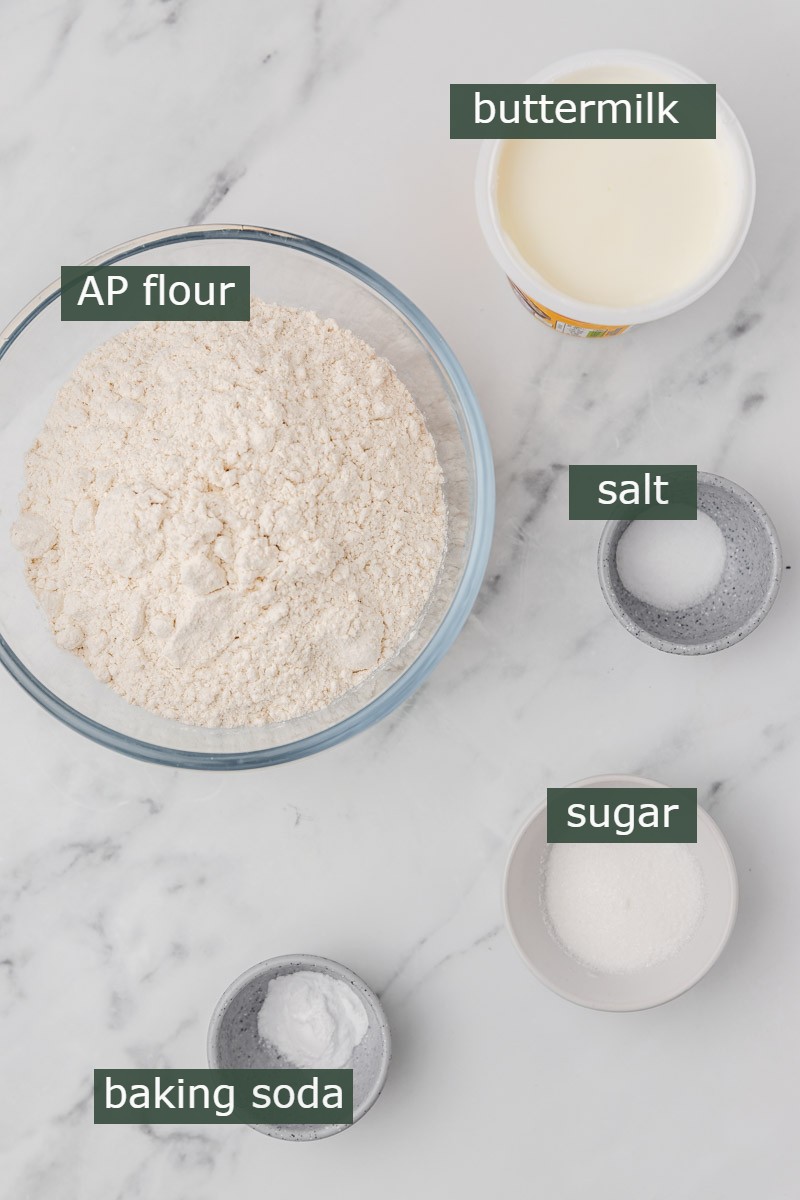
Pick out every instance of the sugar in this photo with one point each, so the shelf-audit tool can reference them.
(672, 564)
(622, 908)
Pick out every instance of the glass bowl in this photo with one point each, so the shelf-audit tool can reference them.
(37, 354)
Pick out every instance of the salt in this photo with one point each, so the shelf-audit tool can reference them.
(622, 908)
(672, 564)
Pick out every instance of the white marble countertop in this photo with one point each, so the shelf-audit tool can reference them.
(132, 895)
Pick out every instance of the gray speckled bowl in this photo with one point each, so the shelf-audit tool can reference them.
(233, 1040)
(743, 596)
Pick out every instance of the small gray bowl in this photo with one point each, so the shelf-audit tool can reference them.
(234, 1042)
(742, 598)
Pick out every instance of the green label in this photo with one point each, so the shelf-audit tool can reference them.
(587, 110)
(622, 814)
(226, 1097)
(155, 293)
(635, 493)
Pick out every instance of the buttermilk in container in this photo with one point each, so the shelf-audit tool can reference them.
(596, 235)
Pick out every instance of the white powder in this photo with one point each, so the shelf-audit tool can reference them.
(233, 523)
(672, 564)
(312, 1020)
(620, 908)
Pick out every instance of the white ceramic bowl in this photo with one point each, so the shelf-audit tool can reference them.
(647, 988)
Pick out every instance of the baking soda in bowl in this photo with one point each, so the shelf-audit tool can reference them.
(313, 1020)
(599, 234)
(622, 908)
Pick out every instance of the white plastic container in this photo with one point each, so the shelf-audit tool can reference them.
(574, 316)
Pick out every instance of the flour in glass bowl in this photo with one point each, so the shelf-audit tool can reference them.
(233, 523)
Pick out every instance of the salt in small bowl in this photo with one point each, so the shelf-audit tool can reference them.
(234, 1041)
(741, 599)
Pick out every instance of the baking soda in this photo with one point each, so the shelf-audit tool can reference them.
(622, 908)
(672, 564)
(312, 1019)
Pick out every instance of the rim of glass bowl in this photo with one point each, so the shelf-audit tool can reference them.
(477, 553)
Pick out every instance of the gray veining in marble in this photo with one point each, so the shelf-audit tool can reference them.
(131, 895)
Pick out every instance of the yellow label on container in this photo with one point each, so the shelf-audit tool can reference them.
(565, 324)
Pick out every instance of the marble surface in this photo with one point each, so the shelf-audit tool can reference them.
(132, 895)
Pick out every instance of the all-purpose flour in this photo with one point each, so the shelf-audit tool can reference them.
(233, 523)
